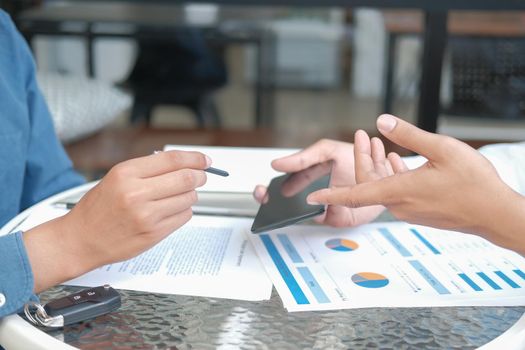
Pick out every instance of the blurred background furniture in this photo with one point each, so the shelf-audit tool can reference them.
(81, 106)
(478, 66)
(435, 34)
(183, 72)
(164, 23)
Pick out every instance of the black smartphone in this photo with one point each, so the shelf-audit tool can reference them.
(285, 200)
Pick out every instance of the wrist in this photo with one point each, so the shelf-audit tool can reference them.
(73, 247)
(52, 257)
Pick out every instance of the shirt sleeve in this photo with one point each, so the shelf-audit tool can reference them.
(48, 168)
(509, 161)
(15, 274)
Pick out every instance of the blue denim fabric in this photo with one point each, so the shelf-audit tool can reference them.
(33, 164)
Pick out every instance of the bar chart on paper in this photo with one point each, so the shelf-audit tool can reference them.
(388, 265)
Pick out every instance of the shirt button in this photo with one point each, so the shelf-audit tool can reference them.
(2, 300)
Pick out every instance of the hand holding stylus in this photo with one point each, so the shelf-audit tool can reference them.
(136, 205)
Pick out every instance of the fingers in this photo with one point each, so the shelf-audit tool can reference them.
(410, 137)
(398, 165)
(319, 152)
(379, 158)
(298, 181)
(166, 207)
(370, 160)
(337, 216)
(166, 226)
(386, 191)
(163, 162)
(389, 168)
(340, 216)
(320, 219)
(364, 165)
(259, 193)
(174, 183)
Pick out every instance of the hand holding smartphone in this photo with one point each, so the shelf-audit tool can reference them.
(285, 201)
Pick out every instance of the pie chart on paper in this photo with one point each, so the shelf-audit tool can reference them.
(341, 244)
(370, 280)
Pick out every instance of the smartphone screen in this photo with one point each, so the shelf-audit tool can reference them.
(285, 201)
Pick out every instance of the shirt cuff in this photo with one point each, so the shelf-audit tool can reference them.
(16, 276)
(508, 159)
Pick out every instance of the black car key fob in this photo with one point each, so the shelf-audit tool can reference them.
(74, 308)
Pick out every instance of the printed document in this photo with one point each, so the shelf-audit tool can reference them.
(209, 256)
(388, 265)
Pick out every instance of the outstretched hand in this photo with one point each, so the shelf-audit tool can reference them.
(457, 188)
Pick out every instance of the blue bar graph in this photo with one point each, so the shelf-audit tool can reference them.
(287, 276)
(395, 243)
(290, 249)
(316, 289)
(425, 241)
(470, 282)
(519, 273)
(429, 277)
(507, 279)
(489, 281)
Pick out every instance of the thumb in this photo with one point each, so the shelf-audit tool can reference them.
(409, 136)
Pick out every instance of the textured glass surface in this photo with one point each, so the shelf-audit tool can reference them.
(157, 321)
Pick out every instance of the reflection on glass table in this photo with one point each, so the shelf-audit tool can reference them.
(148, 321)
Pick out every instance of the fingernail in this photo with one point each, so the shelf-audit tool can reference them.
(208, 161)
(312, 201)
(386, 123)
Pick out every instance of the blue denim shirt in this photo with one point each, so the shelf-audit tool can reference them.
(33, 164)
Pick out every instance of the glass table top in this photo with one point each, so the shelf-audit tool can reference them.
(162, 321)
(159, 321)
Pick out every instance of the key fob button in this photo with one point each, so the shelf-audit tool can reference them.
(76, 299)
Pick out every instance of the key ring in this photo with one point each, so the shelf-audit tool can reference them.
(39, 316)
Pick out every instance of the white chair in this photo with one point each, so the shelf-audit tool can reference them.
(81, 106)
